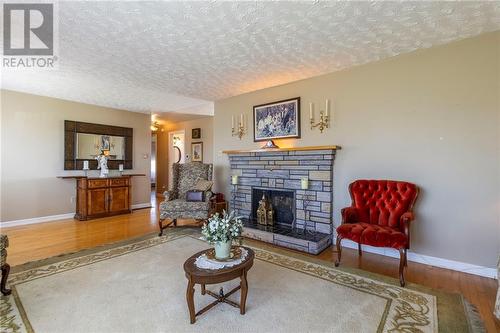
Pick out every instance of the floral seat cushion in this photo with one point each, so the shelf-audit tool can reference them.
(3, 258)
(4, 243)
(177, 205)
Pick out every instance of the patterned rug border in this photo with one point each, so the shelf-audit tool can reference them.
(448, 304)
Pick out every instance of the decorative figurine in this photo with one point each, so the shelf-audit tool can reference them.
(102, 163)
(265, 212)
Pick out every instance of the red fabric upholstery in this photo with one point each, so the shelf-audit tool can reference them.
(382, 202)
(374, 235)
(380, 213)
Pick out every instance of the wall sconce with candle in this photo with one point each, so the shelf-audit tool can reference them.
(323, 117)
(240, 130)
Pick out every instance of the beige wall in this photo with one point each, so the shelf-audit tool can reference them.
(32, 142)
(206, 125)
(430, 117)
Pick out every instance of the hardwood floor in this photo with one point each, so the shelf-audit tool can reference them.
(38, 241)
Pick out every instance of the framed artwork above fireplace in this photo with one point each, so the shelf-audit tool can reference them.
(277, 120)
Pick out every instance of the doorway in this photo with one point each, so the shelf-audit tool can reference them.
(176, 151)
(154, 140)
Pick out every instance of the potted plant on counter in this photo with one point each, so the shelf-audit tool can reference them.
(220, 230)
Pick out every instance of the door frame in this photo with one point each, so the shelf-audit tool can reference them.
(171, 153)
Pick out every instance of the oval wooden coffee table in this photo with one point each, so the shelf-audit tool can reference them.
(212, 276)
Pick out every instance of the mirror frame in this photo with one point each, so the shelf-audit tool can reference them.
(71, 128)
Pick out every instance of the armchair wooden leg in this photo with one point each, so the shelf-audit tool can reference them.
(402, 260)
(339, 251)
(160, 224)
(359, 250)
(5, 275)
(163, 227)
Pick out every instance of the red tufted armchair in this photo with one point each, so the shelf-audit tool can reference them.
(380, 215)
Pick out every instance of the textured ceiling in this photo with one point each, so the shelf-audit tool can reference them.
(171, 56)
(166, 118)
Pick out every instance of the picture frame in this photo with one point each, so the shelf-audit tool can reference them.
(197, 152)
(277, 120)
(196, 133)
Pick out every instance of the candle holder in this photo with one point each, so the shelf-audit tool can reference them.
(323, 122)
(239, 132)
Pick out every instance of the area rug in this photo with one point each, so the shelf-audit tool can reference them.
(140, 286)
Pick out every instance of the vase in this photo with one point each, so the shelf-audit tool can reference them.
(222, 250)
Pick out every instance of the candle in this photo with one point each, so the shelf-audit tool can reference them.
(304, 183)
(326, 107)
(120, 167)
(85, 165)
(241, 124)
(311, 111)
(234, 180)
(232, 121)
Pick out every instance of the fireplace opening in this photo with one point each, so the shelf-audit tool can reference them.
(282, 203)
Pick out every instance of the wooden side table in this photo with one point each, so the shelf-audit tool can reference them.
(203, 277)
(217, 206)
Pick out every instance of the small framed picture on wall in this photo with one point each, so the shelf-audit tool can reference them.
(197, 151)
(196, 133)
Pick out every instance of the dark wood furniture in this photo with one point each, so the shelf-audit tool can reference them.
(100, 197)
(203, 277)
(5, 275)
(217, 204)
(72, 128)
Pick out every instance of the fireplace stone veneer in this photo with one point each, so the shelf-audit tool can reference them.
(283, 169)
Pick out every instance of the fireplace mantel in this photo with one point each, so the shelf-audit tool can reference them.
(262, 150)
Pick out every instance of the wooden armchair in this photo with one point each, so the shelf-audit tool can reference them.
(380, 215)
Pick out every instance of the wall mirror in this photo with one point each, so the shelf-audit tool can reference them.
(89, 146)
(84, 141)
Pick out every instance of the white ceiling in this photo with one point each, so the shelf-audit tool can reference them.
(180, 56)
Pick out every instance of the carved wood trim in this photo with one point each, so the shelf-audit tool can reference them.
(73, 127)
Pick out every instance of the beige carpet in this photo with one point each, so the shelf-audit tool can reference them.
(140, 287)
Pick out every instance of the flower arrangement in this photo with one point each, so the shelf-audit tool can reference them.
(222, 228)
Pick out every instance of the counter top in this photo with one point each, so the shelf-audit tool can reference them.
(122, 176)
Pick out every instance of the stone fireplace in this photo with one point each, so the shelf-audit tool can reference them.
(302, 217)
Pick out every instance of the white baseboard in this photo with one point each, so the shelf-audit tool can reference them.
(34, 220)
(52, 218)
(427, 260)
(142, 205)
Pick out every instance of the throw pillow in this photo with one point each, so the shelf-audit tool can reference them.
(195, 195)
(204, 185)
